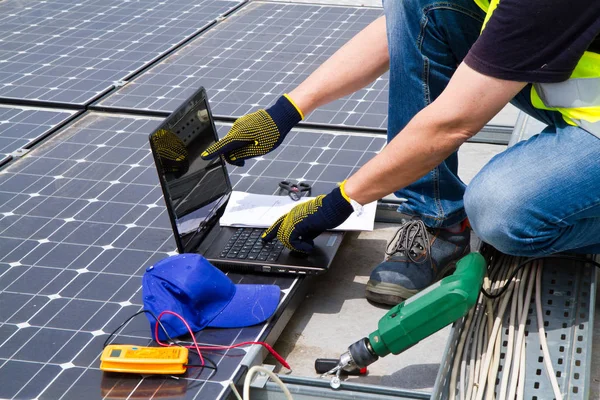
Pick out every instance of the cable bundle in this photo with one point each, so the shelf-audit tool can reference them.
(504, 307)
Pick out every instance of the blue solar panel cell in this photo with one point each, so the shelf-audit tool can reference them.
(81, 217)
(21, 127)
(254, 56)
(70, 52)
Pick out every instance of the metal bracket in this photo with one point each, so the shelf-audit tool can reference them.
(120, 83)
(260, 379)
(20, 153)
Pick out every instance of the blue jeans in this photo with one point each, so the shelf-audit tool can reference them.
(540, 196)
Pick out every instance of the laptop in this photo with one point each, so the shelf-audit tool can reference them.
(196, 192)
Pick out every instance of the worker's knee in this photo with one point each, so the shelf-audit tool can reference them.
(501, 216)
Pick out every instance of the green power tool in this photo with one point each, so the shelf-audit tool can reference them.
(417, 317)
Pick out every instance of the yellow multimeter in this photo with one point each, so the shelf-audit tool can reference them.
(144, 360)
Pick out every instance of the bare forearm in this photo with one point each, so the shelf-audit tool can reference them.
(419, 148)
(359, 62)
(469, 101)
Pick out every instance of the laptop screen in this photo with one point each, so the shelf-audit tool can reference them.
(196, 190)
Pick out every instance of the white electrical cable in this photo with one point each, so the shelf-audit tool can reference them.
(235, 391)
(459, 349)
(494, 367)
(478, 356)
(521, 387)
(471, 336)
(471, 381)
(463, 363)
(510, 338)
(258, 368)
(519, 356)
(487, 360)
(542, 333)
(491, 344)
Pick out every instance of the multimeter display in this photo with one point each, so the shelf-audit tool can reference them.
(115, 353)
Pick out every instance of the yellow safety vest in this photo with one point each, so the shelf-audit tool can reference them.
(578, 98)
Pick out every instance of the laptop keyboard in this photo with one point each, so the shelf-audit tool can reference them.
(245, 244)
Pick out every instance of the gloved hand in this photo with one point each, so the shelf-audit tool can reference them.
(297, 229)
(171, 152)
(257, 133)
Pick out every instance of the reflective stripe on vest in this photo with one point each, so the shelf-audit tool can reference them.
(578, 98)
(591, 127)
(575, 92)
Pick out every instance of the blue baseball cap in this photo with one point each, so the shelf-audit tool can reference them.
(190, 286)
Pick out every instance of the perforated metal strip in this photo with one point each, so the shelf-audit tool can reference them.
(568, 298)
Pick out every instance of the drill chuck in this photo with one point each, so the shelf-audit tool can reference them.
(362, 353)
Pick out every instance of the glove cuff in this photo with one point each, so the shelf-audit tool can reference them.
(338, 208)
(285, 114)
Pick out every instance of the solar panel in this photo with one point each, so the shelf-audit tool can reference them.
(258, 53)
(66, 51)
(21, 127)
(321, 159)
(81, 217)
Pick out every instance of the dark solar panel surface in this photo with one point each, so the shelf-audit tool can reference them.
(257, 54)
(80, 219)
(20, 127)
(321, 159)
(71, 51)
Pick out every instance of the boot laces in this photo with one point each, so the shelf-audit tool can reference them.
(411, 234)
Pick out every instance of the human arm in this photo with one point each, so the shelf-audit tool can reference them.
(469, 101)
(355, 65)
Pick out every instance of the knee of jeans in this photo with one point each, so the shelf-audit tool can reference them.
(498, 217)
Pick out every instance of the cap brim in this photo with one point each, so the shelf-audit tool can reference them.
(251, 305)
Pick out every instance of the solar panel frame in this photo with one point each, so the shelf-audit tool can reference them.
(80, 219)
(242, 62)
(22, 127)
(71, 53)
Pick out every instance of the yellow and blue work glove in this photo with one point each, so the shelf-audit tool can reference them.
(257, 133)
(297, 229)
(171, 150)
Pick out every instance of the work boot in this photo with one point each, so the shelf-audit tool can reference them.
(416, 257)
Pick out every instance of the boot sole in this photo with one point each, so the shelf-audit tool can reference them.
(387, 293)
(392, 294)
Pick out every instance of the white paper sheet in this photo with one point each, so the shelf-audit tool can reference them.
(261, 211)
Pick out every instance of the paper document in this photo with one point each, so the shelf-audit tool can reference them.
(261, 211)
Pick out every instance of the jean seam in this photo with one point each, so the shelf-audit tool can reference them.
(453, 7)
(533, 248)
(426, 91)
